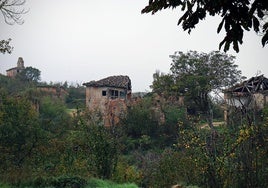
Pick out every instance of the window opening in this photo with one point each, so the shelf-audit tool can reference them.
(122, 94)
(114, 94)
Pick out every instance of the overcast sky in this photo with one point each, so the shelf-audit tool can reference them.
(84, 40)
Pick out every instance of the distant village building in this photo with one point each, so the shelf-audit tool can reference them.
(14, 71)
(252, 93)
(109, 96)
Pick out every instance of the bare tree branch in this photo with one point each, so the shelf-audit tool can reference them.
(12, 11)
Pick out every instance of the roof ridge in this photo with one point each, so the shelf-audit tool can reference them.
(120, 81)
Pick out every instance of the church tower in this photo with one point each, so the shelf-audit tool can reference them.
(20, 63)
(15, 70)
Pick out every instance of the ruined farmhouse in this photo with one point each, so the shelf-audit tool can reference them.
(15, 70)
(110, 97)
(250, 94)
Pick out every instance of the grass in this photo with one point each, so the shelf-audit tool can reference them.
(92, 183)
(97, 183)
(3, 185)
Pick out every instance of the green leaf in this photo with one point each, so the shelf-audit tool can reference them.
(265, 27)
(220, 26)
(222, 42)
(256, 24)
(235, 46)
(184, 17)
(226, 46)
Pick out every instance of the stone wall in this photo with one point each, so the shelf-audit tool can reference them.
(109, 101)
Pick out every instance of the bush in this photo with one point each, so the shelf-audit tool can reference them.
(125, 172)
(4, 185)
(62, 181)
(174, 168)
(97, 183)
(75, 182)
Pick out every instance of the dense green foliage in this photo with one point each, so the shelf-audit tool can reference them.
(29, 74)
(194, 76)
(145, 128)
(103, 150)
(69, 181)
(76, 97)
(49, 140)
(157, 144)
(19, 130)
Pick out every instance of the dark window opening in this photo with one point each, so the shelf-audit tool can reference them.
(113, 94)
(103, 93)
(122, 94)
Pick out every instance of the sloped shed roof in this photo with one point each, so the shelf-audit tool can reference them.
(252, 85)
(111, 81)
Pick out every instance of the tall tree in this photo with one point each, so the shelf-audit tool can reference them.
(195, 75)
(237, 16)
(101, 145)
(163, 84)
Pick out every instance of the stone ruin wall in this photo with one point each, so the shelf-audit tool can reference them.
(111, 109)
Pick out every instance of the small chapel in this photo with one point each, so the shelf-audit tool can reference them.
(15, 70)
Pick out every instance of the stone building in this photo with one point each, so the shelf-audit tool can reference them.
(109, 96)
(15, 70)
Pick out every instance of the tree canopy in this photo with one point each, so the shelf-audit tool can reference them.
(18, 128)
(237, 16)
(29, 74)
(194, 75)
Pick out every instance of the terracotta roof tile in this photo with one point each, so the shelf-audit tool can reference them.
(112, 81)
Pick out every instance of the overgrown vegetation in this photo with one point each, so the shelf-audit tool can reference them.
(159, 143)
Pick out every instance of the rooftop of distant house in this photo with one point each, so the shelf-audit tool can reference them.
(120, 81)
(254, 84)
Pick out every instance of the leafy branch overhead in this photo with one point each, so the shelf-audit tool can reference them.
(5, 46)
(237, 16)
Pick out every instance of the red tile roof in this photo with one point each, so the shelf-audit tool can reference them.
(112, 81)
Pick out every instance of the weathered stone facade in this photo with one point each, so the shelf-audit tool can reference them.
(15, 70)
(109, 96)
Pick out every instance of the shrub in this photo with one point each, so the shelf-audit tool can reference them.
(62, 181)
(127, 173)
(94, 183)
(4, 185)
